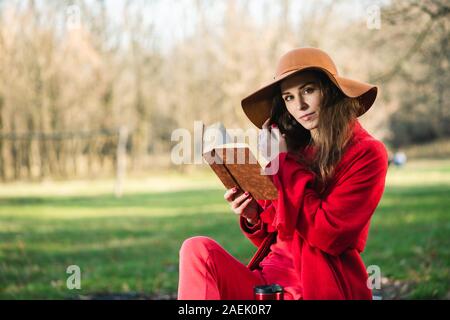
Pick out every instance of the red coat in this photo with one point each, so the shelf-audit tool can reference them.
(330, 231)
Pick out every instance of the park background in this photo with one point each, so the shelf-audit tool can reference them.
(91, 91)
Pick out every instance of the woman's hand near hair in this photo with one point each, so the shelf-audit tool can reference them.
(266, 133)
(242, 204)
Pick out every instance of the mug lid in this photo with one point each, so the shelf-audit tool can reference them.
(268, 289)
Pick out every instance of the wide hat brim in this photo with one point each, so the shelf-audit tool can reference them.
(257, 106)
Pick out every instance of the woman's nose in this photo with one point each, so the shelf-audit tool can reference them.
(302, 104)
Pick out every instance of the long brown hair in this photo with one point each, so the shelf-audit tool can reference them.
(336, 116)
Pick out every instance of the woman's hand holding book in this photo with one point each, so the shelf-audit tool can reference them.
(243, 204)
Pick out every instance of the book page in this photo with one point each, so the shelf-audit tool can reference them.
(213, 136)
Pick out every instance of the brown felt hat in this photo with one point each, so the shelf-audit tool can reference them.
(257, 106)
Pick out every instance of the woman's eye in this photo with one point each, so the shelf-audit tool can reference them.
(287, 98)
(309, 90)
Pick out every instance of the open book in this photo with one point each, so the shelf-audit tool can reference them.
(235, 163)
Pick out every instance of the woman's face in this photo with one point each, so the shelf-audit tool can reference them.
(302, 96)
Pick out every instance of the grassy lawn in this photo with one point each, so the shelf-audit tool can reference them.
(130, 245)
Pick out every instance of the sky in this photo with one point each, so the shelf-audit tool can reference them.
(175, 19)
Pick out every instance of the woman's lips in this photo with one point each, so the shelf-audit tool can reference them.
(307, 116)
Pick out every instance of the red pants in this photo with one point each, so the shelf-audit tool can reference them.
(208, 272)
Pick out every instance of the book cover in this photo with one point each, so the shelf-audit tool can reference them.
(235, 164)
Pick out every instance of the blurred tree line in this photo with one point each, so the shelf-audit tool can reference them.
(71, 74)
(417, 35)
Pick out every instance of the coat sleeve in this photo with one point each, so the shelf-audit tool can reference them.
(334, 223)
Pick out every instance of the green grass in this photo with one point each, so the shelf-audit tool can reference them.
(131, 244)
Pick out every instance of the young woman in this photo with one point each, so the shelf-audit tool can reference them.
(330, 180)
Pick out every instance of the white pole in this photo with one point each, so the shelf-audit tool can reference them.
(121, 161)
